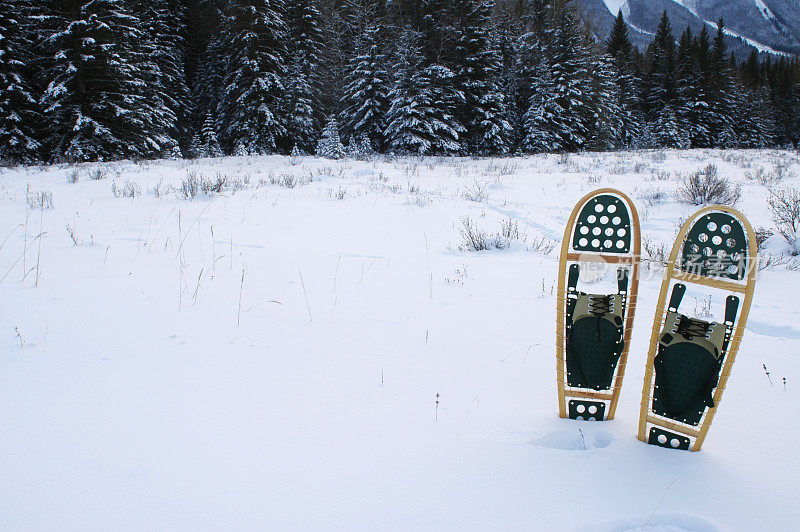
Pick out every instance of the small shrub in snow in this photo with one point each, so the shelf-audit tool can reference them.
(190, 186)
(129, 190)
(509, 229)
(785, 208)
(505, 168)
(329, 145)
(653, 197)
(705, 187)
(658, 156)
(213, 185)
(339, 194)
(474, 238)
(159, 190)
(38, 200)
(661, 175)
(768, 261)
(542, 245)
(781, 170)
(762, 235)
(657, 252)
(288, 180)
(476, 192)
(417, 199)
(238, 184)
(96, 174)
(769, 179)
(73, 176)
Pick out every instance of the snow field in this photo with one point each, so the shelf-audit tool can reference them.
(131, 399)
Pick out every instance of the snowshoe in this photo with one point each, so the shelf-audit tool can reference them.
(593, 330)
(690, 359)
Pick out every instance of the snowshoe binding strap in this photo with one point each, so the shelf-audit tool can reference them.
(690, 328)
(599, 306)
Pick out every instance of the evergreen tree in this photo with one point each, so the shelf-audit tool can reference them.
(620, 49)
(301, 96)
(545, 113)
(366, 95)
(253, 69)
(721, 92)
(98, 103)
(785, 96)
(329, 145)
(693, 114)
(209, 145)
(562, 109)
(419, 120)
(163, 23)
(19, 110)
(618, 44)
(482, 111)
(203, 61)
(609, 126)
(660, 89)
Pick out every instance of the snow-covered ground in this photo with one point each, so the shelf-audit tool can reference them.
(270, 358)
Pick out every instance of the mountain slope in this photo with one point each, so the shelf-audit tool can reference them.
(771, 26)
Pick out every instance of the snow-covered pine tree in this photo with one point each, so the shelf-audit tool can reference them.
(754, 121)
(420, 120)
(477, 64)
(209, 145)
(301, 96)
(366, 95)
(618, 43)
(562, 109)
(720, 91)
(692, 103)
(253, 65)
(163, 22)
(784, 77)
(203, 65)
(544, 114)
(19, 110)
(339, 36)
(620, 49)
(667, 131)
(660, 89)
(607, 127)
(98, 104)
(330, 145)
(506, 31)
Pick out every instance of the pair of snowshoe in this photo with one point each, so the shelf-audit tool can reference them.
(689, 359)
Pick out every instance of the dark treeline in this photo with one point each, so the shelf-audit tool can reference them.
(107, 79)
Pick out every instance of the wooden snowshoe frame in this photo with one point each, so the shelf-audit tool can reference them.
(739, 284)
(625, 255)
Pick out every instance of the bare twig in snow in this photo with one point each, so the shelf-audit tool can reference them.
(335, 296)
(659, 501)
(305, 294)
(473, 403)
(241, 289)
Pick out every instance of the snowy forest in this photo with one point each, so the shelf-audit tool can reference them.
(110, 79)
